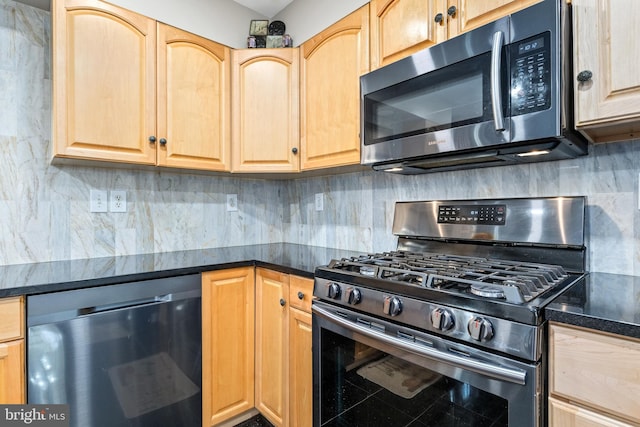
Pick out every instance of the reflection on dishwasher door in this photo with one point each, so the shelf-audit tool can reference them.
(121, 355)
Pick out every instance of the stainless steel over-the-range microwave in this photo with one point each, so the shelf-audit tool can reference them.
(498, 94)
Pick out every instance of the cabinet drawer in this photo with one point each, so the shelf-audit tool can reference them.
(300, 286)
(597, 370)
(11, 318)
(563, 414)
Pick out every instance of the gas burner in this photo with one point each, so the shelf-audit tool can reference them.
(486, 291)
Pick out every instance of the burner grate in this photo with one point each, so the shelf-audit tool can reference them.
(511, 281)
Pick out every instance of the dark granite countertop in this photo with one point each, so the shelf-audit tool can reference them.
(604, 302)
(28, 279)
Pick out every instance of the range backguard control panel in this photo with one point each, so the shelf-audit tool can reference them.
(472, 214)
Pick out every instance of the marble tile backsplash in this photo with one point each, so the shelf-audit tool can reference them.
(44, 207)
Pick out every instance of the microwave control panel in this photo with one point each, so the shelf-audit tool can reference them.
(530, 75)
(475, 215)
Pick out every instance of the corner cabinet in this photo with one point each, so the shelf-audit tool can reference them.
(228, 301)
(400, 28)
(331, 65)
(594, 378)
(131, 90)
(606, 41)
(12, 351)
(266, 110)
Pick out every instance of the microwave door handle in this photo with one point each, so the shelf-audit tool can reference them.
(496, 88)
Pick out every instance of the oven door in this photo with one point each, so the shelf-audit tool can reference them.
(369, 372)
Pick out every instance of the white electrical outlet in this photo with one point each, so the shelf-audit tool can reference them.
(319, 201)
(97, 201)
(118, 201)
(232, 202)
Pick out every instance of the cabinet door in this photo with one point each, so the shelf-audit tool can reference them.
(300, 369)
(193, 101)
(563, 414)
(470, 14)
(103, 82)
(12, 385)
(331, 65)
(266, 110)
(400, 28)
(272, 341)
(607, 43)
(227, 344)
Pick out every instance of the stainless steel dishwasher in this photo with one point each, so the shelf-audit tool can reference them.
(119, 355)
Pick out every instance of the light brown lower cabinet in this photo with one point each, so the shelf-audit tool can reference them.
(300, 369)
(12, 354)
(256, 341)
(594, 378)
(272, 345)
(562, 414)
(228, 299)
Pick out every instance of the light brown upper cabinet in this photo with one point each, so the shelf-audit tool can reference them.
(193, 101)
(465, 15)
(331, 65)
(400, 28)
(128, 89)
(266, 110)
(606, 41)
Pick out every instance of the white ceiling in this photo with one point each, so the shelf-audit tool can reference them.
(268, 8)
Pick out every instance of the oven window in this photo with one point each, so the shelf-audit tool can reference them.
(363, 387)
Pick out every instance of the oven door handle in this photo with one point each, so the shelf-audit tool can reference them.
(515, 376)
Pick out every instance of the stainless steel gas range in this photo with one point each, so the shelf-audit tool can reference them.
(449, 328)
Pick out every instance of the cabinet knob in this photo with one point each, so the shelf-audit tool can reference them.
(282, 302)
(152, 139)
(294, 150)
(439, 17)
(163, 141)
(452, 11)
(300, 295)
(584, 76)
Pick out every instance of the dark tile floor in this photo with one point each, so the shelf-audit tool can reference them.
(257, 421)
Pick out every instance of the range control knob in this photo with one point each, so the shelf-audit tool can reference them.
(480, 329)
(333, 290)
(392, 306)
(442, 319)
(353, 295)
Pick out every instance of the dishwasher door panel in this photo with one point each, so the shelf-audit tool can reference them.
(133, 366)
